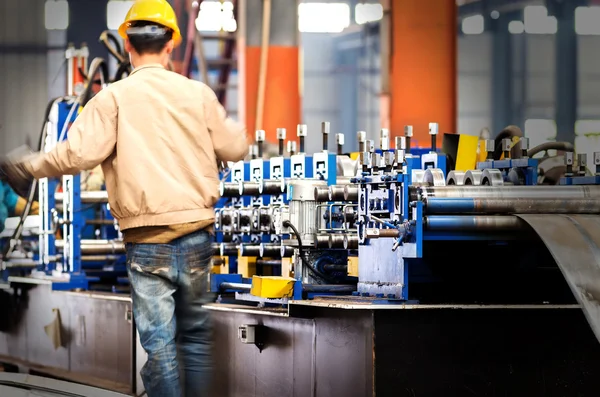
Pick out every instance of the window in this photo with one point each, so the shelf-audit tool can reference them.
(365, 13)
(537, 21)
(56, 14)
(215, 16)
(587, 20)
(116, 11)
(473, 25)
(323, 17)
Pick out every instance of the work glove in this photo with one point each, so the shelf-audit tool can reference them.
(14, 172)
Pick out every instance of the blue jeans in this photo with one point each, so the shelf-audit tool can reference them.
(169, 285)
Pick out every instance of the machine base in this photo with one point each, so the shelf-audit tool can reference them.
(81, 337)
(346, 349)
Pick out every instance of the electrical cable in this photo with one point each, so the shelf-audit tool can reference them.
(303, 253)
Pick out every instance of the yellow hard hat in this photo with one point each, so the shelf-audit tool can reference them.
(158, 11)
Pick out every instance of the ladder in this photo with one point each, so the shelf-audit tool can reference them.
(224, 64)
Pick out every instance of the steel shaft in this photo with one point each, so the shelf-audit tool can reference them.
(473, 223)
(512, 206)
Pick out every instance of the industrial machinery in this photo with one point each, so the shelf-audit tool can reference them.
(403, 257)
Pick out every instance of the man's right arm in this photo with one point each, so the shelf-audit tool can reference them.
(228, 137)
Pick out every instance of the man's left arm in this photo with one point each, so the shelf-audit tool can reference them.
(91, 139)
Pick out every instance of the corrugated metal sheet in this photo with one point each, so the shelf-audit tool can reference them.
(23, 73)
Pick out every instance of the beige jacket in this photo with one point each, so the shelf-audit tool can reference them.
(158, 136)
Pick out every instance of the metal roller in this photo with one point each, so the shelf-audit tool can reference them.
(273, 187)
(229, 189)
(470, 223)
(91, 197)
(262, 262)
(336, 241)
(321, 194)
(286, 251)
(511, 206)
(455, 178)
(322, 241)
(434, 177)
(507, 192)
(270, 250)
(337, 192)
(249, 189)
(351, 193)
(247, 250)
(350, 241)
(473, 178)
(235, 286)
(228, 249)
(492, 177)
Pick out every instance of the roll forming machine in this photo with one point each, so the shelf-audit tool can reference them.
(359, 226)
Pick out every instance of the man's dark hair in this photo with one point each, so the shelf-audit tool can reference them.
(148, 44)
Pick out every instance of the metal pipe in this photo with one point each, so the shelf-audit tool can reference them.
(235, 286)
(351, 193)
(473, 223)
(335, 268)
(506, 192)
(382, 233)
(337, 192)
(321, 194)
(263, 262)
(511, 206)
(99, 258)
(328, 288)
(12, 263)
(273, 187)
(87, 197)
(97, 247)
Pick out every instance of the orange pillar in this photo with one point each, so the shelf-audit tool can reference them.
(282, 99)
(422, 85)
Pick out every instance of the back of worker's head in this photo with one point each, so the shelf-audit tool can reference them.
(150, 28)
(147, 37)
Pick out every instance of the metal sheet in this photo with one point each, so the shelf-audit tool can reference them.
(574, 242)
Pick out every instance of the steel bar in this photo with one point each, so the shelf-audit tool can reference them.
(97, 247)
(263, 262)
(507, 192)
(99, 258)
(512, 206)
(235, 286)
(91, 197)
(250, 189)
(328, 288)
(473, 223)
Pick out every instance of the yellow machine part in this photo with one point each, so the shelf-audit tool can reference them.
(353, 266)
(220, 265)
(272, 287)
(286, 267)
(466, 155)
(354, 155)
(246, 266)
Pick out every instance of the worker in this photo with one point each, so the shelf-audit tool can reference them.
(159, 137)
(11, 204)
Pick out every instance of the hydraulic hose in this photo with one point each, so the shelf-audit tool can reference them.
(562, 146)
(113, 45)
(97, 65)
